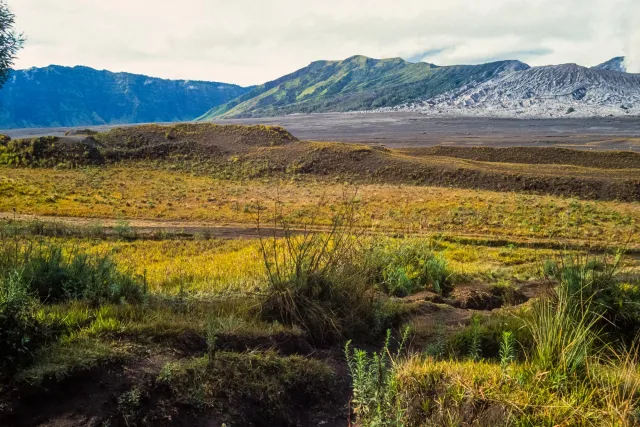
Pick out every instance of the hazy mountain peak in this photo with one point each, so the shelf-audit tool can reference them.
(614, 64)
(545, 91)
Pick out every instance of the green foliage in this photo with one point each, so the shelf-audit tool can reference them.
(613, 297)
(48, 151)
(31, 276)
(51, 275)
(375, 385)
(507, 349)
(317, 281)
(124, 229)
(475, 341)
(10, 42)
(60, 359)
(564, 330)
(403, 267)
(273, 385)
(485, 336)
(18, 326)
(129, 405)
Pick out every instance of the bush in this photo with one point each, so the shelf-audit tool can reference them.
(404, 267)
(53, 276)
(613, 299)
(31, 277)
(375, 386)
(18, 327)
(483, 337)
(318, 281)
(564, 326)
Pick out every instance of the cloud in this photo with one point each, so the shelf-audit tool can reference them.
(250, 42)
(632, 47)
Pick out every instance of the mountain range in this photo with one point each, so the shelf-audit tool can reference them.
(549, 91)
(357, 83)
(81, 96)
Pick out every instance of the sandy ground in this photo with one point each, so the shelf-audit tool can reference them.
(416, 130)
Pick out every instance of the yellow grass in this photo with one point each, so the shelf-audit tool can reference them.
(218, 266)
(141, 192)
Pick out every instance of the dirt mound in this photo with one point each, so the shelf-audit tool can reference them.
(535, 155)
(360, 162)
(50, 151)
(202, 141)
(254, 151)
(479, 297)
(80, 132)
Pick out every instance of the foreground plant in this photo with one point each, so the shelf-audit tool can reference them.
(317, 280)
(375, 384)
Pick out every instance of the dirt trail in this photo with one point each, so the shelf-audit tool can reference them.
(251, 231)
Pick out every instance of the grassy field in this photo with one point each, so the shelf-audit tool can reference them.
(145, 193)
(371, 304)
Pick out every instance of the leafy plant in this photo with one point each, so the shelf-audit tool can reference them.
(53, 276)
(375, 385)
(507, 349)
(475, 344)
(403, 267)
(18, 326)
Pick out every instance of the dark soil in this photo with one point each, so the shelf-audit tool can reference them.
(259, 150)
(535, 155)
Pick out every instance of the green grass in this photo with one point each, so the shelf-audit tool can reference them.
(59, 360)
(274, 387)
(228, 329)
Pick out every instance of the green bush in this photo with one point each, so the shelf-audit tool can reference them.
(53, 276)
(31, 277)
(483, 337)
(18, 327)
(404, 267)
(319, 282)
(613, 298)
(375, 385)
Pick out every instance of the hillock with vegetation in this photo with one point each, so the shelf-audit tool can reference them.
(354, 84)
(236, 151)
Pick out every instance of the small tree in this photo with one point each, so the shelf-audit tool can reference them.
(10, 41)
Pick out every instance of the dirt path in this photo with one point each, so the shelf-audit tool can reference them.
(251, 231)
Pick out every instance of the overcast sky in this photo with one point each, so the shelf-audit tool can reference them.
(253, 41)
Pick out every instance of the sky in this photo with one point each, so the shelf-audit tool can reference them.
(253, 41)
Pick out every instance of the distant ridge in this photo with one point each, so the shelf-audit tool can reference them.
(356, 83)
(549, 91)
(82, 96)
(614, 64)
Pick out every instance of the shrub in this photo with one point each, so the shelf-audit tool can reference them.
(614, 299)
(483, 337)
(53, 276)
(375, 385)
(317, 281)
(564, 330)
(18, 327)
(403, 267)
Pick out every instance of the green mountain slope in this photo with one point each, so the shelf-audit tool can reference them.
(357, 83)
